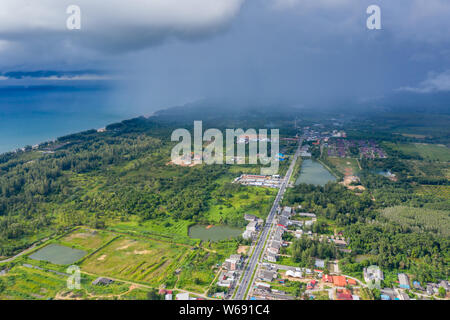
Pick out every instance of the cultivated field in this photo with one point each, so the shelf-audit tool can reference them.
(143, 261)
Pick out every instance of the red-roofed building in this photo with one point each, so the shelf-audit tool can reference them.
(327, 278)
(351, 282)
(344, 296)
(339, 281)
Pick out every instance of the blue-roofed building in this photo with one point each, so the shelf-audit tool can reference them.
(385, 297)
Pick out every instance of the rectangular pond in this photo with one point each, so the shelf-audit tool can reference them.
(58, 254)
(312, 172)
(213, 233)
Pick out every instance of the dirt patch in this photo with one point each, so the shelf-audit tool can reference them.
(127, 244)
(142, 252)
(242, 249)
(102, 257)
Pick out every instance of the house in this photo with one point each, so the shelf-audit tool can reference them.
(373, 273)
(267, 275)
(168, 296)
(252, 226)
(233, 262)
(272, 257)
(250, 217)
(339, 281)
(404, 281)
(183, 296)
(344, 296)
(351, 282)
(262, 286)
(283, 222)
(102, 281)
(320, 263)
(327, 278)
(248, 235)
(287, 211)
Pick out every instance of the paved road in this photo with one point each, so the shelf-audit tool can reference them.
(253, 261)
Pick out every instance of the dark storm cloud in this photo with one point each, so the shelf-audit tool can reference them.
(291, 51)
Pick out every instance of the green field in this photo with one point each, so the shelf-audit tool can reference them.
(229, 207)
(426, 151)
(420, 219)
(32, 284)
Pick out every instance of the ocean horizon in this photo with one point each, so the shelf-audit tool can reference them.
(32, 115)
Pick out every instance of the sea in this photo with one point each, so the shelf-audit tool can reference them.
(31, 115)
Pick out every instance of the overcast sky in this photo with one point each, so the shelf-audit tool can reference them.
(168, 52)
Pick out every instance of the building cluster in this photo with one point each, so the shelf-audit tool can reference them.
(273, 181)
(366, 149)
(231, 271)
(252, 228)
(276, 238)
(304, 151)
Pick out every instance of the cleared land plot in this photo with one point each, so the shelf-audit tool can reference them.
(420, 219)
(144, 261)
(347, 166)
(58, 254)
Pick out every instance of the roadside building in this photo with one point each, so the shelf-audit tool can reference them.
(404, 281)
(267, 275)
(271, 257)
(262, 286)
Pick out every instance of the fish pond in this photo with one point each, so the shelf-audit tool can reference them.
(313, 172)
(58, 254)
(213, 233)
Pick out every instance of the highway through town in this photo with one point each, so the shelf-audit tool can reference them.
(246, 280)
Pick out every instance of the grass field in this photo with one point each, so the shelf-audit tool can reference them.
(426, 151)
(86, 239)
(250, 200)
(136, 260)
